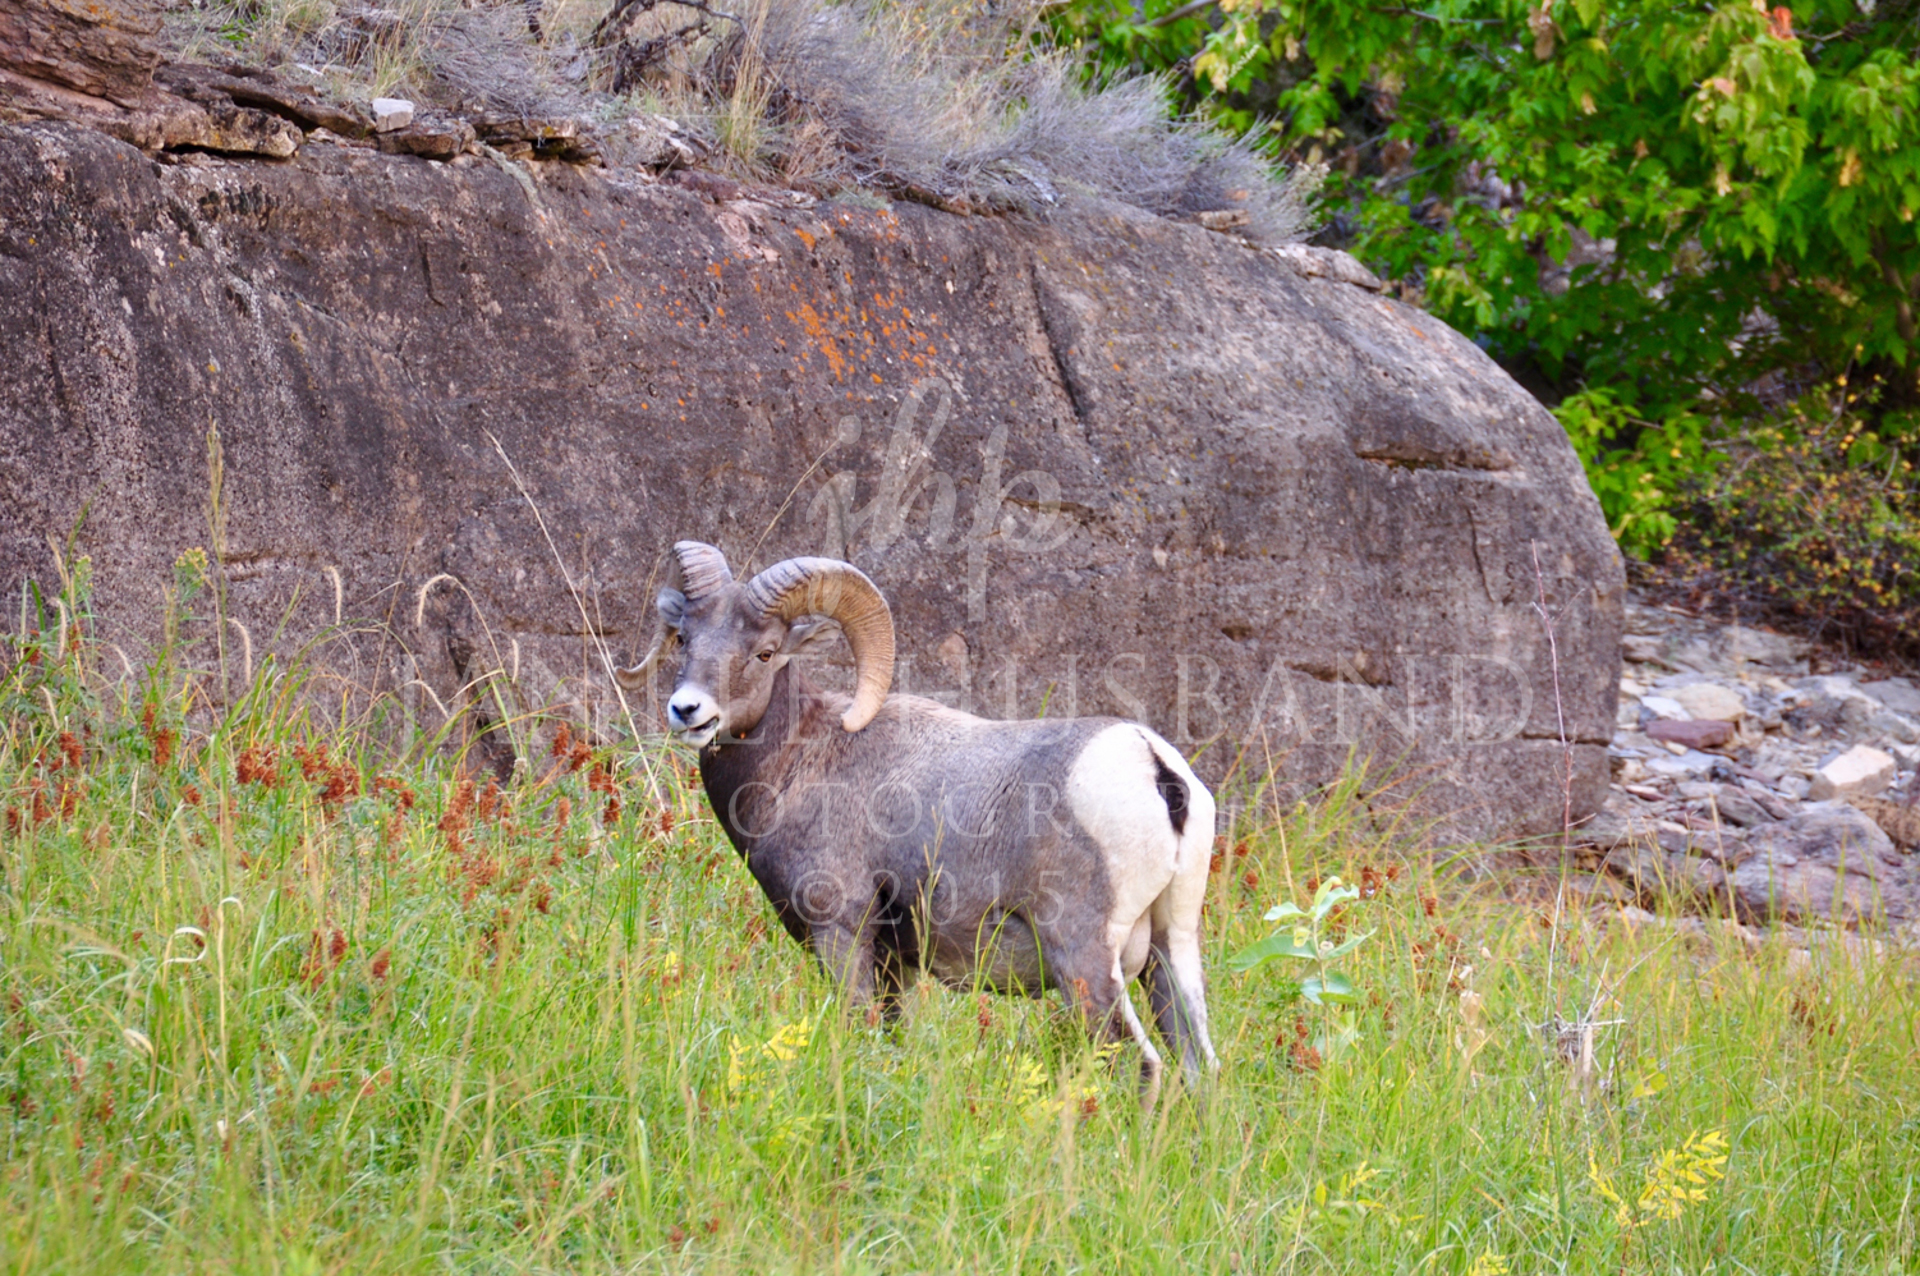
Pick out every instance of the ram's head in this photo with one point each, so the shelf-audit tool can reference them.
(735, 636)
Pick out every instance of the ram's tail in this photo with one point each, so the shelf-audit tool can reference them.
(1175, 983)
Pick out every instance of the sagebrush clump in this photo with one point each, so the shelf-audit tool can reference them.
(970, 110)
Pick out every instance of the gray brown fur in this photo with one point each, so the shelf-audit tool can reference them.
(929, 839)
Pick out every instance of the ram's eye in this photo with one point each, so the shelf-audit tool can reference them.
(764, 656)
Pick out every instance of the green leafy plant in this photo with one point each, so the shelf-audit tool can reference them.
(1306, 937)
(1663, 211)
(1639, 469)
(1817, 507)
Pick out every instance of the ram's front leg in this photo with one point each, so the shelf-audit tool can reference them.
(846, 952)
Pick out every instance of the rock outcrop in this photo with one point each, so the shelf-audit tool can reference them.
(1744, 783)
(97, 63)
(1104, 464)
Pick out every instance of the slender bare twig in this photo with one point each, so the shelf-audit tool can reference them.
(1184, 11)
(1559, 707)
(586, 621)
(747, 562)
(1398, 11)
(614, 24)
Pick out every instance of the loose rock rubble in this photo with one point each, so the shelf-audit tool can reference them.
(103, 66)
(1747, 784)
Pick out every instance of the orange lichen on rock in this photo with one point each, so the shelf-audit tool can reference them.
(817, 330)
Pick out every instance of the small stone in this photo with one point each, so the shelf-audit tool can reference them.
(1664, 707)
(1224, 218)
(390, 113)
(1762, 647)
(429, 141)
(661, 142)
(1775, 806)
(1657, 874)
(1691, 764)
(1834, 705)
(1709, 701)
(1695, 655)
(239, 130)
(1888, 725)
(1861, 771)
(1692, 733)
(1828, 684)
(1897, 820)
(1829, 861)
(1617, 823)
(540, 130)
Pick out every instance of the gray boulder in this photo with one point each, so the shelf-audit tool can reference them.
(1828, 862)
(1107, 463)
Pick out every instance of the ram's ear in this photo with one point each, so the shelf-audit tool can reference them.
(672, 606)
(808, 632)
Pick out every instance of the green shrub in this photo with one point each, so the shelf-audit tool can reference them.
(1638, 468)
(1816, 507)
(1658, 210)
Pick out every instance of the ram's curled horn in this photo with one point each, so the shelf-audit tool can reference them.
(694, 570)
(635, 678)
(841, 592)
(703, 569)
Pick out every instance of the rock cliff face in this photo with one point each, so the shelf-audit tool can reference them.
(1105, 464)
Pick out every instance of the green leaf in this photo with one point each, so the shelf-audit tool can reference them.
(1343, 949)
(1280, 912)
(1320, 989)
(1330, 895)
(1270, 949)
(1339, 1033)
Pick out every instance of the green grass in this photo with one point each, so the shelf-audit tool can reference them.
(245, 1026)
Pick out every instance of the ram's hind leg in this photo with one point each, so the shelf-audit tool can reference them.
(1097, 987)
(1176, 987)
(1151, 1066)
(1181, 1014)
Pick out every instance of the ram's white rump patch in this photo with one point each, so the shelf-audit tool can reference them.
(1113, 794)
(1158, 876)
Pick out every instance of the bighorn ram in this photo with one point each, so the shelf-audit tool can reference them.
(894, 833)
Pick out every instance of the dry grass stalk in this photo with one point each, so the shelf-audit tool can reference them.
(963, 108)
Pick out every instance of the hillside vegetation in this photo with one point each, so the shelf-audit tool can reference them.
(968, 110)
(1688, 227)
(284, 993)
